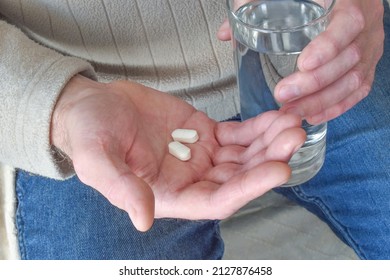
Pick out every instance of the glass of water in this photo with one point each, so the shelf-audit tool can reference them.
(268, 36)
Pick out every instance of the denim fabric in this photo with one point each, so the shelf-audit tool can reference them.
(69, 220)
(352, 191)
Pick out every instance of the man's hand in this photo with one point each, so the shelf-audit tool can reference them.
(336, 70)
(117, 136)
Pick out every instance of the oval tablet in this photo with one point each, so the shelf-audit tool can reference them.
(179, 151)
(189, 136)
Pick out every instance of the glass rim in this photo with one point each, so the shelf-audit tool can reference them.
(281, 30)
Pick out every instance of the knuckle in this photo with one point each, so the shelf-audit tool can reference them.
(318, 82)
(332, 43)
(356, 79)
(355, 52)
(357, 17)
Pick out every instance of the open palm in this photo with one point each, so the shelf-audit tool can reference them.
(118, 134)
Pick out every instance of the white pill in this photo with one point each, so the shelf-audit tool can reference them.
(179, 151)
(185, 135)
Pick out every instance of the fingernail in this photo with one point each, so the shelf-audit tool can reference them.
(289, 92)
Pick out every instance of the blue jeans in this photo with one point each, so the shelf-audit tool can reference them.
(68, 220)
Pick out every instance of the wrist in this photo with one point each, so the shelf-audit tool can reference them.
(77, 88)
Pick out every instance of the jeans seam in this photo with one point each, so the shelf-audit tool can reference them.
(20, 221)
(330, 219)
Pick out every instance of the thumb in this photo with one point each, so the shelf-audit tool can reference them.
(112, 177)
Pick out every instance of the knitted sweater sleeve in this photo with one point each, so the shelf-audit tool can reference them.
(31, 79)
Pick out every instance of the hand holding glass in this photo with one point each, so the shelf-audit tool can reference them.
(268, 36)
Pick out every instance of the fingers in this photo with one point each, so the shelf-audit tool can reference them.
(319, 102)
(206, 200)
(283, 137)
(281, 149)
(327, 102)
(301, 84)
(337, 68)
(245, 187)
(340, 107)
(244, 133)
(113, 179)
(241, 141)
(285, 126)
(329, 43)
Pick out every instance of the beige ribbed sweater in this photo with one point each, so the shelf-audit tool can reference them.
(170, 45)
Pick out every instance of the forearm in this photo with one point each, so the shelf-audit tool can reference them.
(31, 79)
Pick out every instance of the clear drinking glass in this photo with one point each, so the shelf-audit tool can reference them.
(268, 36)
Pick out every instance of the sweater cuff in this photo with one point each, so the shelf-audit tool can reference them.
(38, 105)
